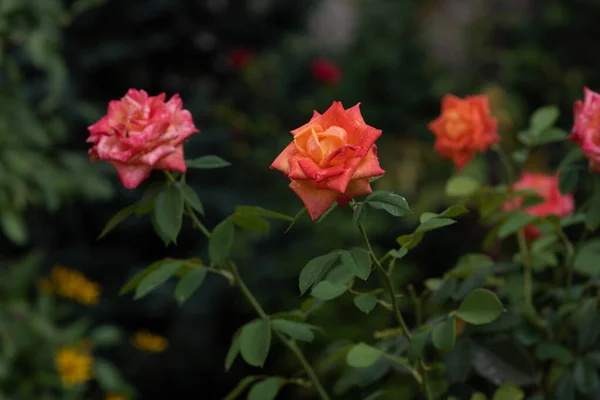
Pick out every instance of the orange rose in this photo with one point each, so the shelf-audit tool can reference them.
(331, 158)
(464, 128)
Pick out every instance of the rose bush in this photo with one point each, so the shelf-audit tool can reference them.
(500, 323)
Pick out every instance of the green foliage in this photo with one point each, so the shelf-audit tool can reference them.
(481, 306)
(362, 355)
(255, 341)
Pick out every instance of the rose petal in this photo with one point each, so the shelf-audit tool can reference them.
(316, 201)
(131, 175)
(355, 188)
(369, 166)
(173, 161)
(282, 162)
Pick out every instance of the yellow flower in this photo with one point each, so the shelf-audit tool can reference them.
(74, 285)
(115, 396)
(150, 342)
(74, 365)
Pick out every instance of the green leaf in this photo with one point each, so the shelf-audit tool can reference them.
(516, 221)
(14, 227)
(261, 212)
(326, 290)
(234, 349)
(255, 341)
(107, 376)
(550, 136)
(520, 156)
(568, 179)
(509, 391)
(240, 387)
(365, 302)
(156, 278)
(394, 204)
(470, 264)
(565, 388)
(454, 211)
(190, 197)
(265, 390)
(117, 219)
(427, 216)
(585, 377)
(296, 218)
(207, 162)
(416, 346)
(553, 351)
(401, 252)
(592, 220)
(573, 155)
(190, 282)
(543, 118)
(105, 335)
(375, 395)
(444, 335)
(359, 261)
(587, 259)
(297, 330)
(251, 222)
(221, 241)
(167, 214)
(362, 356)
(133, 282)
(410, 241)
(434, 223)
(326, 213)
(315, 269)
(481, 306)
(146, 203)
(462, 186)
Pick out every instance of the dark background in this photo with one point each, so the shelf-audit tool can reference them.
(398, 58)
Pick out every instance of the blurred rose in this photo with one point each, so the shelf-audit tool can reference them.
(240, 58)
(142, 133)
(464, 127)
(546, 187)
(586, 130)
(331, 158)
(326, 71)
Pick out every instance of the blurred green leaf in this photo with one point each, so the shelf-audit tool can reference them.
(190, 197)
(167, 214)
(514, 223)
(251, 222)
(261, 212)
(221, 241)
(234, 349)
(107, 376)
(586, 377)
(481, 306)
(265, 390)
(434, 223)
(190, 282)
(326, 290)
(117, 219)
(553, 351)
(417, 345)
(156, 278)
(240, 387)
(362, 355)
(296, 330)
(14, 227)
(509, 391)
(255, 341)
(207, 162)
(587, 259)
(106, 335)
(443, 334)
(394, 204)
(461, 186)
(365, 302)
(568, 179)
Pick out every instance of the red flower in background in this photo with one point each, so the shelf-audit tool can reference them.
(546, 187)
(141, 133)
(464, 127)
(240, 58)
(586, 129)
(326, 71)
(331, 158)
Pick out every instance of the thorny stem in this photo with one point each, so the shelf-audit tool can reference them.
(259, 310)
(387, 279)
